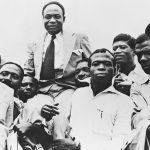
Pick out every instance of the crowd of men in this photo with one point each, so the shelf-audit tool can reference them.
(67, 98)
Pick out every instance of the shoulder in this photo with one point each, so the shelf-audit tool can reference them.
(33, 44)
(76, 34)
(82, 90)
(121, 99)
(124, 101)
(81, 93)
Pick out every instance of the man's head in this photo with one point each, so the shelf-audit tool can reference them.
(124, 48)
(28, 88)
(53, 17)
(11, 74)
(143, 52)
(82, 72)
(102, 66)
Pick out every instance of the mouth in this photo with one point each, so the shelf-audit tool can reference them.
(52, 27)
(28, 92)
(101, 74)
(145, 66)
(118, 57)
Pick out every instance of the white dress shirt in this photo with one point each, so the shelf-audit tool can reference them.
(59, 55)
(102, 121)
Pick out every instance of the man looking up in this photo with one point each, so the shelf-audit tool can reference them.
(128, 71)
(52, 60)
(82, 73)
(100, 115)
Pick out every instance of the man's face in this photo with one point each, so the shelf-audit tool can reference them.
(102, 68)
(143, 54)
(123, 53)
(53, 19)
(11, 75)
(28, 88)
(82, 71)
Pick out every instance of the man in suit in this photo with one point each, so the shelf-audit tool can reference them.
(55, 70)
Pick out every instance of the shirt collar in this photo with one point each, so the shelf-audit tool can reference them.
(48, 36)
(110, 89)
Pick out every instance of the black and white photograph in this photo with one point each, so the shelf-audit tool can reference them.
(75, 75)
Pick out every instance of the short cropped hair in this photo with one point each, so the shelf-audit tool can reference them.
(82, 60)
(21, 69)
(126, 38)
(56, 3)
(142, 38)
(102, 50)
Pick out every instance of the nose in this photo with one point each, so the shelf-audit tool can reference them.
(81, 75)
(101, 67)
(52, 20)
(28, 86)
(143, 58)
(117, 51)
(8, 77)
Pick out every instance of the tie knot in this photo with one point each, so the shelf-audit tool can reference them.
(53, 36)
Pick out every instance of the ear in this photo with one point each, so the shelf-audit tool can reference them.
(64, 18)
(115, 70)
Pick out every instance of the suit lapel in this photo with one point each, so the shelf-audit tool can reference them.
(68, 45)
(39, 56)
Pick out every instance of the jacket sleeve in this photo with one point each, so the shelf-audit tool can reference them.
(29, 62)
(85, 45)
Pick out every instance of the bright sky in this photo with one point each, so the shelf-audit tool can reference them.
(101, 20)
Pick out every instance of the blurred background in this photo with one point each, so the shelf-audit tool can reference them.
(21, 22)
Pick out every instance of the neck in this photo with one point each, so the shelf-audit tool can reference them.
(100, 86)
(127, 67)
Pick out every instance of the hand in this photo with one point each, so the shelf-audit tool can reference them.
(49, 111)
(67, 143)
(122, 84)
(22, 128)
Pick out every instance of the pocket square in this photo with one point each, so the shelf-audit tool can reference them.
(78, 51)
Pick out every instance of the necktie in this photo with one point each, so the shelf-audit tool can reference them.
(48, 70)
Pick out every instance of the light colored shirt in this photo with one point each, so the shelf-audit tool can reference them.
(6, 104)
(101, 121)
(137, 75)
(59, 55)
(6, 112)
(140, 93)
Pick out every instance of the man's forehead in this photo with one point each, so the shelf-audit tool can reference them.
(120, 43)
(144, 44)
(27, 79)
(10, 68)
(102, 56)
(53, 7)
